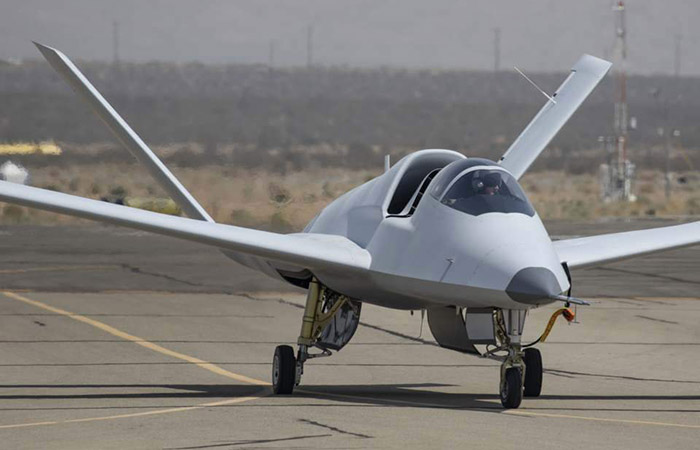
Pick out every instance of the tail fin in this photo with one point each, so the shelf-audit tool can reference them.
(123, 132)
(584, 77)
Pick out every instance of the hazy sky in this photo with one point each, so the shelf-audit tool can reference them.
(544, 35)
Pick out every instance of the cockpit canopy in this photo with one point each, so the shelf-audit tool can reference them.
(471, 186)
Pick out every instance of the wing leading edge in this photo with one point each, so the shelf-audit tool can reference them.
(596, 250)
(304, 251)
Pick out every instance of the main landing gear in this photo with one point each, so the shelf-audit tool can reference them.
(330, 320)
(283, 370)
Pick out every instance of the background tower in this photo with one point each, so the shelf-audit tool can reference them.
(620, 170)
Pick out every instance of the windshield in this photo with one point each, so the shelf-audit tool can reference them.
(484, 191)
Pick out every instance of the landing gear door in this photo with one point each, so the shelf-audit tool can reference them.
(454, 329)
(480, 326)
(341, 328)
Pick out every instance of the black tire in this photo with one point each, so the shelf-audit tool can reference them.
(512, 388)
(533, 372)
(284, 366)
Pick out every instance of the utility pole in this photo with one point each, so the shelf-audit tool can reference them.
(271, 54)
(496, 49)
(678, 55)
(115, 42)
(667, 166)
(664, 133)
(310, 46)
(625, 168)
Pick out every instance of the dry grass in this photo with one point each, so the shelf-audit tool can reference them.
(557, 195)
(267, 200)
(253, 198)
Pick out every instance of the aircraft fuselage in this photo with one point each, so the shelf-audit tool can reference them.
(438, 255)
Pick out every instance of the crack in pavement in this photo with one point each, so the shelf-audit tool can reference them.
(138, 270)
(206, 288)
(657, 320)
(572, 374)
(250, 441)
(337, 430)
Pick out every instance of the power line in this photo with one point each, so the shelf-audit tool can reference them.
(310, 45)
(271, 54)
(115, 42)
(678, 55)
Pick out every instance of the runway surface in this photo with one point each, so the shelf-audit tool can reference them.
(111, 338)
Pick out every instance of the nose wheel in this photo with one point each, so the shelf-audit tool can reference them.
(533, 372)
(521, 379)
(512, 388)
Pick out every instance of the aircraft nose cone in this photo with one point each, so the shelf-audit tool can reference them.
(533, 285)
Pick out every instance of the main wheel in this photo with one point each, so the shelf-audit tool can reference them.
(512, 388)
(283, 370)
(533, 372)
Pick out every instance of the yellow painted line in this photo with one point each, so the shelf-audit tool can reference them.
(598, 419)
(30, 424)
(129, 415)
(58, 269)
(149, 345)
(138, 341)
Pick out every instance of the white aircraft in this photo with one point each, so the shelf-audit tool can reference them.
(454, 236)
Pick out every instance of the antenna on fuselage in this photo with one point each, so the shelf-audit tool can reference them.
(387, 163)
(549, 97)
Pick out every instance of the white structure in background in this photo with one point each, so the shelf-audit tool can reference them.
(14, 173)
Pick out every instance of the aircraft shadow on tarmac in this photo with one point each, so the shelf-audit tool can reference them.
(97, 391)
(410, 395)
(419, 395)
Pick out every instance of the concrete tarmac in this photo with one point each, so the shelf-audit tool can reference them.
(111, 338)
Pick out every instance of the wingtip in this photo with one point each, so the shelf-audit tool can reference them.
(595, 58)
(44, 49)
(592, 64)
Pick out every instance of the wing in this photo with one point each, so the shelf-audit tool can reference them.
(597, 250)
(584, 77)
(296, 251)
(269, 253)
(123, 132)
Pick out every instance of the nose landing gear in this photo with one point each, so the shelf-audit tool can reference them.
(521, 376)
(514, 367)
